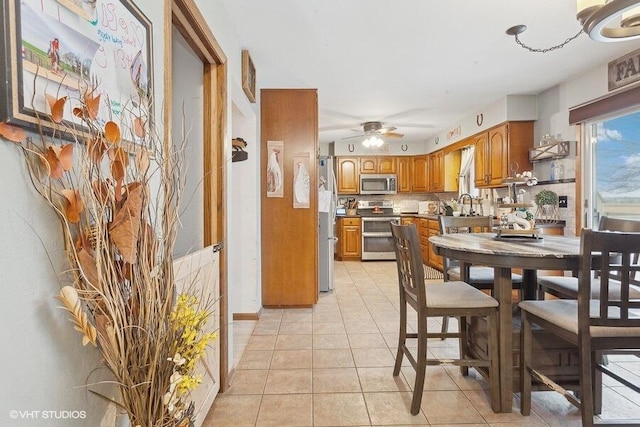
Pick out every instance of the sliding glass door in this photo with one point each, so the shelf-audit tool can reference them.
(613, 163)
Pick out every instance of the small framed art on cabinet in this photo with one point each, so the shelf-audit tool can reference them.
(248, 76)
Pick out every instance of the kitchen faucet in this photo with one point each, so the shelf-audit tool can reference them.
(461, 201)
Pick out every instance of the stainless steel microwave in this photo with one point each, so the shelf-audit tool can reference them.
(378, 184)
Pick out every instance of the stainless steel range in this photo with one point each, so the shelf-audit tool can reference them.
(377, 242)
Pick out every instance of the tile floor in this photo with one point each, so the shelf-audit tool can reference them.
(332, 366)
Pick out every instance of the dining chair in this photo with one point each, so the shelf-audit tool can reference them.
(567, 286)
(611, 322)
(478, 276)
(456, 298)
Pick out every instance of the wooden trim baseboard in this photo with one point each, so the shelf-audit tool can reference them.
(247, 316)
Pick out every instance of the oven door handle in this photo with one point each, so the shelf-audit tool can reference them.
(376, 234)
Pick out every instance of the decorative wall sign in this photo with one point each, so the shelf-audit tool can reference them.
(275, 171)
(454, 132)
(301, 180)
(248, 76)
(73, 48)
(624, 71)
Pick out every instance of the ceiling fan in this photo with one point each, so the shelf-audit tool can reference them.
(376, 129)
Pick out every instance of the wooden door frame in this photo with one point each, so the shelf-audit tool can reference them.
(188, 20)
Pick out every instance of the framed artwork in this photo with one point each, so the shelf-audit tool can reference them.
(301, 180)
(75, 48)
(248, 76)
(275, 171)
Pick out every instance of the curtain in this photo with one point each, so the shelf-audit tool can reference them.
(466, 170)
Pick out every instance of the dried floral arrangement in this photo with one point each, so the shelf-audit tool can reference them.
(119, 235)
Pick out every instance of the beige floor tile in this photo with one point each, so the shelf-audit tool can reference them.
(232, 410)
(381, 379)
(336, 380)
(392, 408)
(286, 410)
(255, 359)
(294, 342)
(248, 381)
(449, 407)
(295, 328)
(482, 402)
(372, 357)
(291, 359)
(286, 381)
(292, 315)
(330, 328)
(339, 409)
(327, 316)
(266, 328)
(330, 341)
(367, 341)
(261, 342)
(435, 378)
(271, 314)
(338, 358)
(361, 327)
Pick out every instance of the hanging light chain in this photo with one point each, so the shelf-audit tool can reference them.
(549, 49)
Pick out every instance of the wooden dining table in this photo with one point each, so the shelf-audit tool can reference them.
(505, 254)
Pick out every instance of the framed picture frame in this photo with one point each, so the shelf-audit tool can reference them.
(248, 76)
(75, 48)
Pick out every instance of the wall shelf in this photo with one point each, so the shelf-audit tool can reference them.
(551, 150)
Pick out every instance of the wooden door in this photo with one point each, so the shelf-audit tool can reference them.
(289, 270)
(368, 165)
(405, 174)
(348, 175)
(480, 159)
(498, 151)
(386, 165)
(421, 173)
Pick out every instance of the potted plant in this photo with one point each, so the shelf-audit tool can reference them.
(547, 206)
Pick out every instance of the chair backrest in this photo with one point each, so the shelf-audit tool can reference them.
(612, 254)
(462, 224)
(627, 225)
(465, 224)
(409, 263)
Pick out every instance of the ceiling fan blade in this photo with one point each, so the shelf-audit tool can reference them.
(354, 136)
(387, 129)
(393, 135)
(339, 127)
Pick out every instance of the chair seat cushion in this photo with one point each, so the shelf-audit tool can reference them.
(480, 275)
(456, 294)
(564, 313)
(569, 286)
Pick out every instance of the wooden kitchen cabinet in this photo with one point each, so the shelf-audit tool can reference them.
(423, 235)
(405, 174)
(406, 220)
(377, 164)
(349, 245)
(435, 261)
(500, 148)
(436, 171)
(348, 175)
(421, 173)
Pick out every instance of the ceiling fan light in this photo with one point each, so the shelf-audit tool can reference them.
(631, 18)
(597, 24)
(372, 142)
(587, 7)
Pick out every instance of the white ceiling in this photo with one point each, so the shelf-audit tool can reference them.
(419, 65)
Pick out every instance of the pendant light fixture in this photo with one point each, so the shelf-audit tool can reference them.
(602, 20)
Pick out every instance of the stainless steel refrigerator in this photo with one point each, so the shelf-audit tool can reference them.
(327, 199)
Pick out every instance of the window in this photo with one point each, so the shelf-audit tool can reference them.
(613, 163)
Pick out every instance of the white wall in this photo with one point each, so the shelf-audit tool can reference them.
(44, 366)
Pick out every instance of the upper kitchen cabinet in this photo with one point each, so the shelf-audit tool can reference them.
(377, 165)
(348, 175)
(421, 173)
(436, 171)
(405, 174)
(498, 149)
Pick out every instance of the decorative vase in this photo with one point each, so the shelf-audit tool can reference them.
(547, 214)
(122, 419)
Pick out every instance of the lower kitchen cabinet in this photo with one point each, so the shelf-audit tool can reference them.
(435, 261)
(349, 245)
(427, 228)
